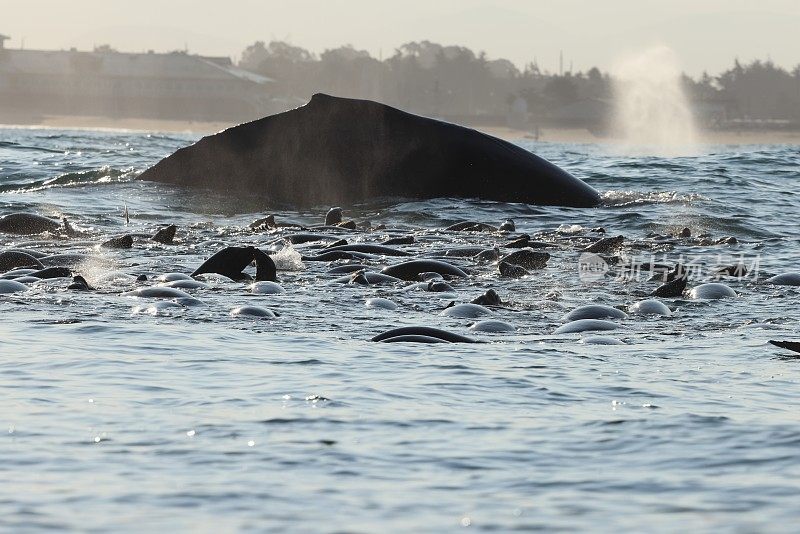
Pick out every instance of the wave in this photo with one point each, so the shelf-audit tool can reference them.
(105, 174)
(17, 146)
(638, 198)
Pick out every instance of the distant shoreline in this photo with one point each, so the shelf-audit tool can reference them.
(550, 134)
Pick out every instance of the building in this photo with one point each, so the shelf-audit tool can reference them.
(104, 82)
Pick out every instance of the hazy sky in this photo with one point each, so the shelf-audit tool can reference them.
(705, 34)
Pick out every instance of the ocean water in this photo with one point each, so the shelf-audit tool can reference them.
(189, 419)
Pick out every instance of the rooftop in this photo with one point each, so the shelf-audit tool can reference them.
(107, 62)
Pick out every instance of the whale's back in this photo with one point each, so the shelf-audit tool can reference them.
(337, 150)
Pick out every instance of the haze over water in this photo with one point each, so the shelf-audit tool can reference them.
(194, 420)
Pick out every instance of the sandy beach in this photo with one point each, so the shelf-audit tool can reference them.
(551, 135)
(714, 137)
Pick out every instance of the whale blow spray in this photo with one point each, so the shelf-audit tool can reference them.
(652, 113)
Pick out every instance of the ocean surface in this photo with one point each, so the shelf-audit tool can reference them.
(119, 416)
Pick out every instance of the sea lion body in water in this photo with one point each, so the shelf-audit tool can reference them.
(785, 279)
(343, 151)
(27, 224)
(595, 311)
(13, 259)
(527, 258)
(711, 291)
(333, 217)
(670, 289)
(231, 261)
(789, 345)
(410, 270)
(426, 331)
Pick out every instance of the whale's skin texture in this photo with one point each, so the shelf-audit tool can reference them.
(343, 151)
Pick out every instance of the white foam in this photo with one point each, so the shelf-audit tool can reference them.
(288, 259)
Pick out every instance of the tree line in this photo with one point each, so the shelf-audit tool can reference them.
(453, 81)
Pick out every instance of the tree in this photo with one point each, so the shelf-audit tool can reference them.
(561, 90)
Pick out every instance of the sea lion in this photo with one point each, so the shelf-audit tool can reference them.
(367, 278)
(186, 284)
(785, 279)
(333, 217)
(423, 331)
(789, 345)
(171, 277)
(488, 255)
(490, 298)
(595, 311)
(711, 291)
(738, 270)
(52, 272)
(465, 311)
(679, 271)
(381, 303)
(27, 224)
(508, 226)
(166, 235)
(264, 222)
(410, 270)
(650, 307)
(12, 259)
(266, 288)
(411, 338)
(338, 243)
(464, 252)
(159, 292)
(347, 268)
(79, 283)
(527, 258)
(12, 286)
(519, 242)
(674, 288)
(510, 270)
(253, 311)
(125, 241)
(605, 245)
(493, 326)
(438, 286)
(231, 261)
(14, 274)
(299, 239)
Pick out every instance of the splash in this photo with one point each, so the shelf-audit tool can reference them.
(639, 198)
(653, 115)
(288, 259)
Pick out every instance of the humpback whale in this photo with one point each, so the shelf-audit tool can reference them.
(339, 150)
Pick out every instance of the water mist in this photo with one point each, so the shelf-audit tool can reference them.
(652, 114)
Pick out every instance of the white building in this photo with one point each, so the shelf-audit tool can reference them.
(175, 85)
